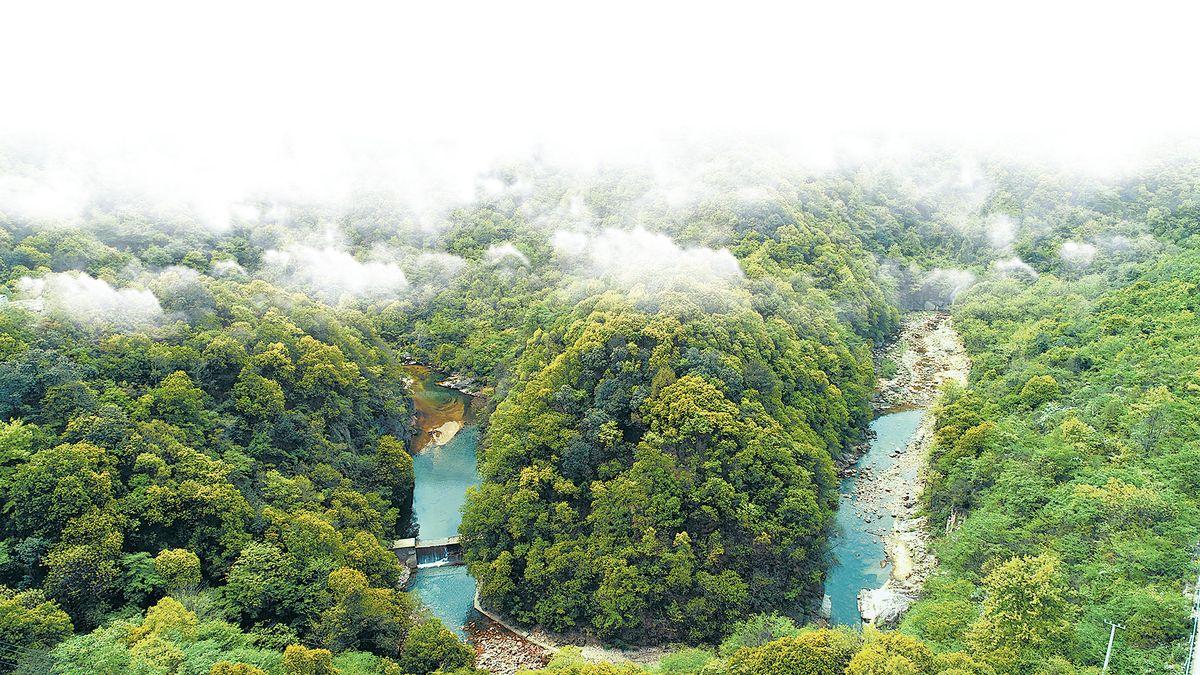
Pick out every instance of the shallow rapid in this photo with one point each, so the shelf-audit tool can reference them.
(859, 546)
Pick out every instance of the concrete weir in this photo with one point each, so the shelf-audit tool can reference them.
(416, 553)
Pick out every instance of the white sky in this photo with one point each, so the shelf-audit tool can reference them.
(277, 92)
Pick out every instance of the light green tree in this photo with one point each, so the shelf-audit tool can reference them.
(891, 654)
(810, 653)
(1027, 613)
(300, 660)
(227, 668)
(28, 619)
(179, 567)
(431, 647)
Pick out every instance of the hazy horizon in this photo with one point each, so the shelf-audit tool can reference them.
(214, 106)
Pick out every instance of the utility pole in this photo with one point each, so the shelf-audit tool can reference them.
(1111, 635)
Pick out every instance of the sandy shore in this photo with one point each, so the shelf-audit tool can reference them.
(445, 433)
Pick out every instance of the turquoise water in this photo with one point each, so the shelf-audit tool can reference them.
(443, 473)
(859, 546)
(449, 592)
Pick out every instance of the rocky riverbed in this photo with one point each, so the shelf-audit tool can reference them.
(928, 353)
(503, 653)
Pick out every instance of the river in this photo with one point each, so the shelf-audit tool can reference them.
(444, 467)
(879, 518)
(444, 464)
(859, 546)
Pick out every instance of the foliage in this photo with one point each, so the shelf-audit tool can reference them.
(178, 567)
(299, 660)
(364, 618)
(668, 514)
(756, 631)
(569, 661)
(685, 662)
(227, 668)
(891, 654)
(29, 620)
(812, 653)
(431, 647)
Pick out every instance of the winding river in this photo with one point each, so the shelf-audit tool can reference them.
(444, 464)
(444, 467)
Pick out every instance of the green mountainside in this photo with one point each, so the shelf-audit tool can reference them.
(204, 431)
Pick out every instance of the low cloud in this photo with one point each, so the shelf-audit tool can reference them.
(659, 274)
(55, 193)
(569, 243)
(949, 282)
(1015, 265)
(638, 256)
(498, 254)
(337, 272)
(87, 300)
(1079, 254)
(1115, 244)
(1002, 231)
(225, 267)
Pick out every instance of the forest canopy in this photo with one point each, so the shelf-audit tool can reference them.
(204, 433)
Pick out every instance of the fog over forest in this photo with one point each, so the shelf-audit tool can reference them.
(675, 255)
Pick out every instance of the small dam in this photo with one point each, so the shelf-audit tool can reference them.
(419, 553)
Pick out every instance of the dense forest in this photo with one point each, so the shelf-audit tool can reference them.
(204, 431)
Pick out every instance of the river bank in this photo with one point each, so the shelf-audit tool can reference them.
(444, 466)
(928, 354)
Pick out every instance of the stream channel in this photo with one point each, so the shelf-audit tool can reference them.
(859, 546)
(444, 467)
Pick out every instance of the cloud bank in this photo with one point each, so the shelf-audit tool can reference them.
(337, 272)
(1015, 265)
(87, 300)
(641, 256)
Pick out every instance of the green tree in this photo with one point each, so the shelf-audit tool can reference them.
(431, 647)
(756, 631)
(176, 400)
(179, 567)
(393, 471)
(300, 660)
(364, 618)
(804, 654)
(58, 484)
(227, 668)
(168, 618)
(1027, 613)
(261, 584)
(29, 620)
(891, 654)
(1039, 390)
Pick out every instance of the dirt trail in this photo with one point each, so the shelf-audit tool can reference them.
(928, 353)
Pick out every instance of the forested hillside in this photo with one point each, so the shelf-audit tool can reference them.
(204, 451)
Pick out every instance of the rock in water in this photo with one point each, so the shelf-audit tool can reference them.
(826, 611)
(883, 606)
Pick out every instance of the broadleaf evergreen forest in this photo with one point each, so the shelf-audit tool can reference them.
(204, 431)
